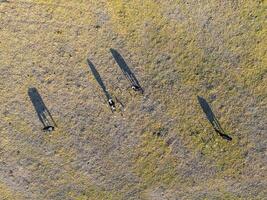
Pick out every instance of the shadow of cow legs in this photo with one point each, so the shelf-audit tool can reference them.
(102, 85)
(212, 119)
(135, 85)
(42, 112)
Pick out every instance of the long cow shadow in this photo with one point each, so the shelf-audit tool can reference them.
(98, 79)
(102, 85)
(212, 118)
(126, 71)
(43, 113)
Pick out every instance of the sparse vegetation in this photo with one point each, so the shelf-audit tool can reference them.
(161, 146)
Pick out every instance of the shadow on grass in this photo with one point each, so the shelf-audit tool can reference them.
(212, 119)
(102, 85)
(43, 113)
(98, 79)
(135, 85)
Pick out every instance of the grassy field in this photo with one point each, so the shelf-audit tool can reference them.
(160, 146)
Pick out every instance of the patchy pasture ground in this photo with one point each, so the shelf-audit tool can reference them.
(161, 146)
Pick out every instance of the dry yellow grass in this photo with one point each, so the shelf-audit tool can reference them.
(161, 146)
